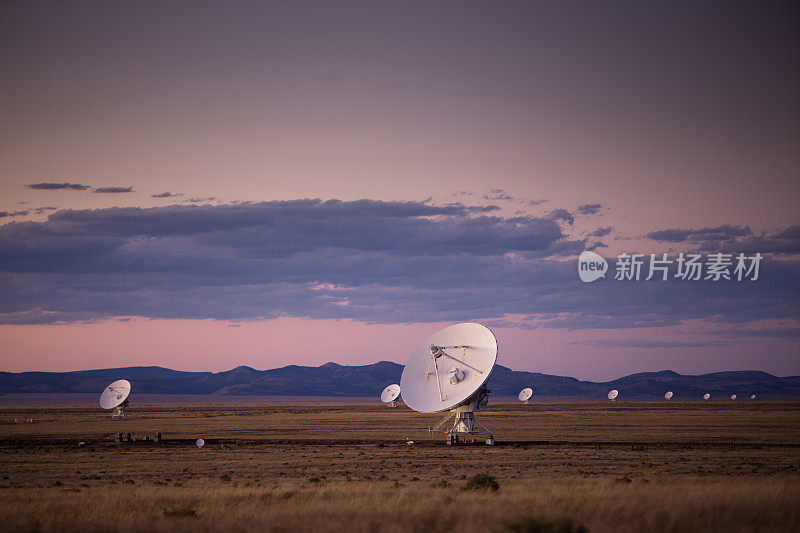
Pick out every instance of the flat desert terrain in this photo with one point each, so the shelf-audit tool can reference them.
(558, 467)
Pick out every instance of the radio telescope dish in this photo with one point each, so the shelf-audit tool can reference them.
(525, 394)
(752, 396)
(200, 443)
(706, 396)
(668, 395)
(733, 396)
(448, 372)
(390, 394)
(612, 394)
(115, 396)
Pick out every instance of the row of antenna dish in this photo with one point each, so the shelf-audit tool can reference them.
(391, 393)
(612, 395)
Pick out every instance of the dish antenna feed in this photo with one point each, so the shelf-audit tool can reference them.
(115, 397)
(448, 372)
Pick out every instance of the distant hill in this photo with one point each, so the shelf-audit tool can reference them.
(332, 379)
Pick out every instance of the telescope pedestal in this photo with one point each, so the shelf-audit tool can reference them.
(465, 423)
(119, 411)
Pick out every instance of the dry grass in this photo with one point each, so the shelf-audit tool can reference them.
(676, 468)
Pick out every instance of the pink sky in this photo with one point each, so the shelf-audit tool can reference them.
(211, 345)
(275, 102)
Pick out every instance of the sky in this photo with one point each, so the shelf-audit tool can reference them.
(201, 185)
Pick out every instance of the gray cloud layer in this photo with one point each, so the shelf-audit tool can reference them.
(113, 190)
(49, 186)
(720, 233)
(373, 261)
(589, 209)
(733, 239)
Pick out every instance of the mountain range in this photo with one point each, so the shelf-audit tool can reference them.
(332, 379)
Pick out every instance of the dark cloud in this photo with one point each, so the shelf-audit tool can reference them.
(601, 232)
(733, 239)
(751, 245)
(497, 194)
(502, 197)
(373, 261)
(113, 190)
(4, 214)
(40, 210)
(719, 233)
(49, 186)
(199, 200)
(792, 232)
(589, 209)
(166, 194)
(561, 214)
(788, 333)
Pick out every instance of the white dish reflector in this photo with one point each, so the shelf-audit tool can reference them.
(525, 394)
(613, 394)
(668, 395)
(706, 396)
(733, 396)
(199, 443)
(390, 393)
(449, 367)
(115, 394)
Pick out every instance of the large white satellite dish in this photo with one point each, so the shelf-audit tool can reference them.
(390, 394)
(733, 396)
(448, 372)
(525, 394)
(199, 443)
(706, 396)
(612, 394)
(752, 396)
(668, 395)
(115, 397)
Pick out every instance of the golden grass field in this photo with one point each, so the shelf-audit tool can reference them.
(599, 467)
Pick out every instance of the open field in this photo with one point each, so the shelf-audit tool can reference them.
(618, 467)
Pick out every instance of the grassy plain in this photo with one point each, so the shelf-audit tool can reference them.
(625, 466)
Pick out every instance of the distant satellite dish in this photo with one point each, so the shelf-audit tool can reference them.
(706, 396)
(200, 443)
(525, 394)
(390, 394)
(733, 396)
(612, 394)
(668, 395)
(753, 397)
(115, 396)
(448, 372)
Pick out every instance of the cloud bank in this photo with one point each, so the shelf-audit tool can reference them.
(113, 190)
(372, 261)
(49, 186)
